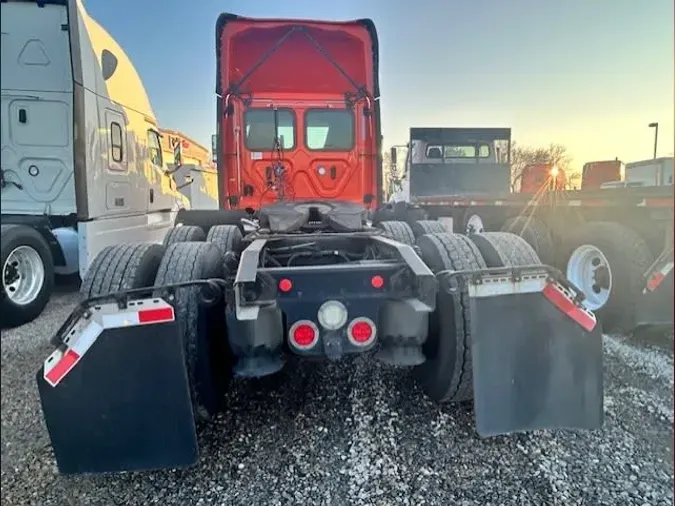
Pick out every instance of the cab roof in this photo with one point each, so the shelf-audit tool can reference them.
(255, 55)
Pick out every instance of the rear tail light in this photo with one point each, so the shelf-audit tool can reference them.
(303, 334)
(377, 282)
(285, 285)
(361, 331)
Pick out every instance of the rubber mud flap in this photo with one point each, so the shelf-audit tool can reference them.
(655, 308)
(124, 406)
(534, 367)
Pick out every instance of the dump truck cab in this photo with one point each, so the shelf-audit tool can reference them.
(298, 112)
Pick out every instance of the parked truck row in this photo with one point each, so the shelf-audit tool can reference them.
(613, 238)
(303, 257)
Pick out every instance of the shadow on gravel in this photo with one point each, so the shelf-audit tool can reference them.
(659, 337)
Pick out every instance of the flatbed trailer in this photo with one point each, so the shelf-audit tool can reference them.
(610, 242)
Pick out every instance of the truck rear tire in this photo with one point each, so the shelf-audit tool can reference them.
(424, 227)
(201, 328)
(536, 234)
(27, 274)
(502, 249)
(184, 233)
(398, 231)
(226, 237)
(607, 262)
(122, 267)
(398, 211)
(446, 375)
(207, 218)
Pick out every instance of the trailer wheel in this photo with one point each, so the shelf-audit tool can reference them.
(226, 237)
(398, 231)
(27, 274)
(446, 375)
(536, 234)
(607, 262)
(184, 233)
(424, 227)
(502, 249)
(202, 328)
(122, 267)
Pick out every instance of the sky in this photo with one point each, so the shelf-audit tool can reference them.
(588, 74)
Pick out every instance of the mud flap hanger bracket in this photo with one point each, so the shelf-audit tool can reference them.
(453, 281)
(212, 291)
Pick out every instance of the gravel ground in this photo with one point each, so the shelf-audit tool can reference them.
(356, 433)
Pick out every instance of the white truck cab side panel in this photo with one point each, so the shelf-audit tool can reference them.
(36, 110)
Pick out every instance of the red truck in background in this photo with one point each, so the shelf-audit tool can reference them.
(595, 174)
(542, 176)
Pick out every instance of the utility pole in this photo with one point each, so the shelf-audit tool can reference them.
(655, 126)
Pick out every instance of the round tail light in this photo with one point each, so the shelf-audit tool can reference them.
(303, 334)
(361, 331)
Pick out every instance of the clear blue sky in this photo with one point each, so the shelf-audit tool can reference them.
(590, 74)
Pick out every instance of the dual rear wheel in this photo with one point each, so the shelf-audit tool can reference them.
(446, 375)
(184, 256)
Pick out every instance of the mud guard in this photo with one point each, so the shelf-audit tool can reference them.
(655, 305)
(115, 394)
(536, 353)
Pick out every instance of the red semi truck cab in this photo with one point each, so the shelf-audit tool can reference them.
(298, 112)
(542, 177)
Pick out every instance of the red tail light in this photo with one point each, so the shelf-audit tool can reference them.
(377, 282)
(361, 331)
(285, 285)
(303, 334)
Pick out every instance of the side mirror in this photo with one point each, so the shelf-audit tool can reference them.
(392, 155)
(214, 148)
(178, 154)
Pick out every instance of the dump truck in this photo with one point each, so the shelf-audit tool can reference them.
(82, 164)
(291, 264)
(612, 240)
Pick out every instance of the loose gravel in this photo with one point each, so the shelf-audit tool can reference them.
(358, 433)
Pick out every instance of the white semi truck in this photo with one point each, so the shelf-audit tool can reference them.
(82, 165)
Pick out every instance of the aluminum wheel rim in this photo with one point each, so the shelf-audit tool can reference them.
(23, 275)
(474, 225)
(589, 269)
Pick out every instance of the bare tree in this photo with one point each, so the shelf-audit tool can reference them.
(522, 156)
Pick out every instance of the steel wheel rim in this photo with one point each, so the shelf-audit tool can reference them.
(474, 225)
(23, 275)
(588, 268)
